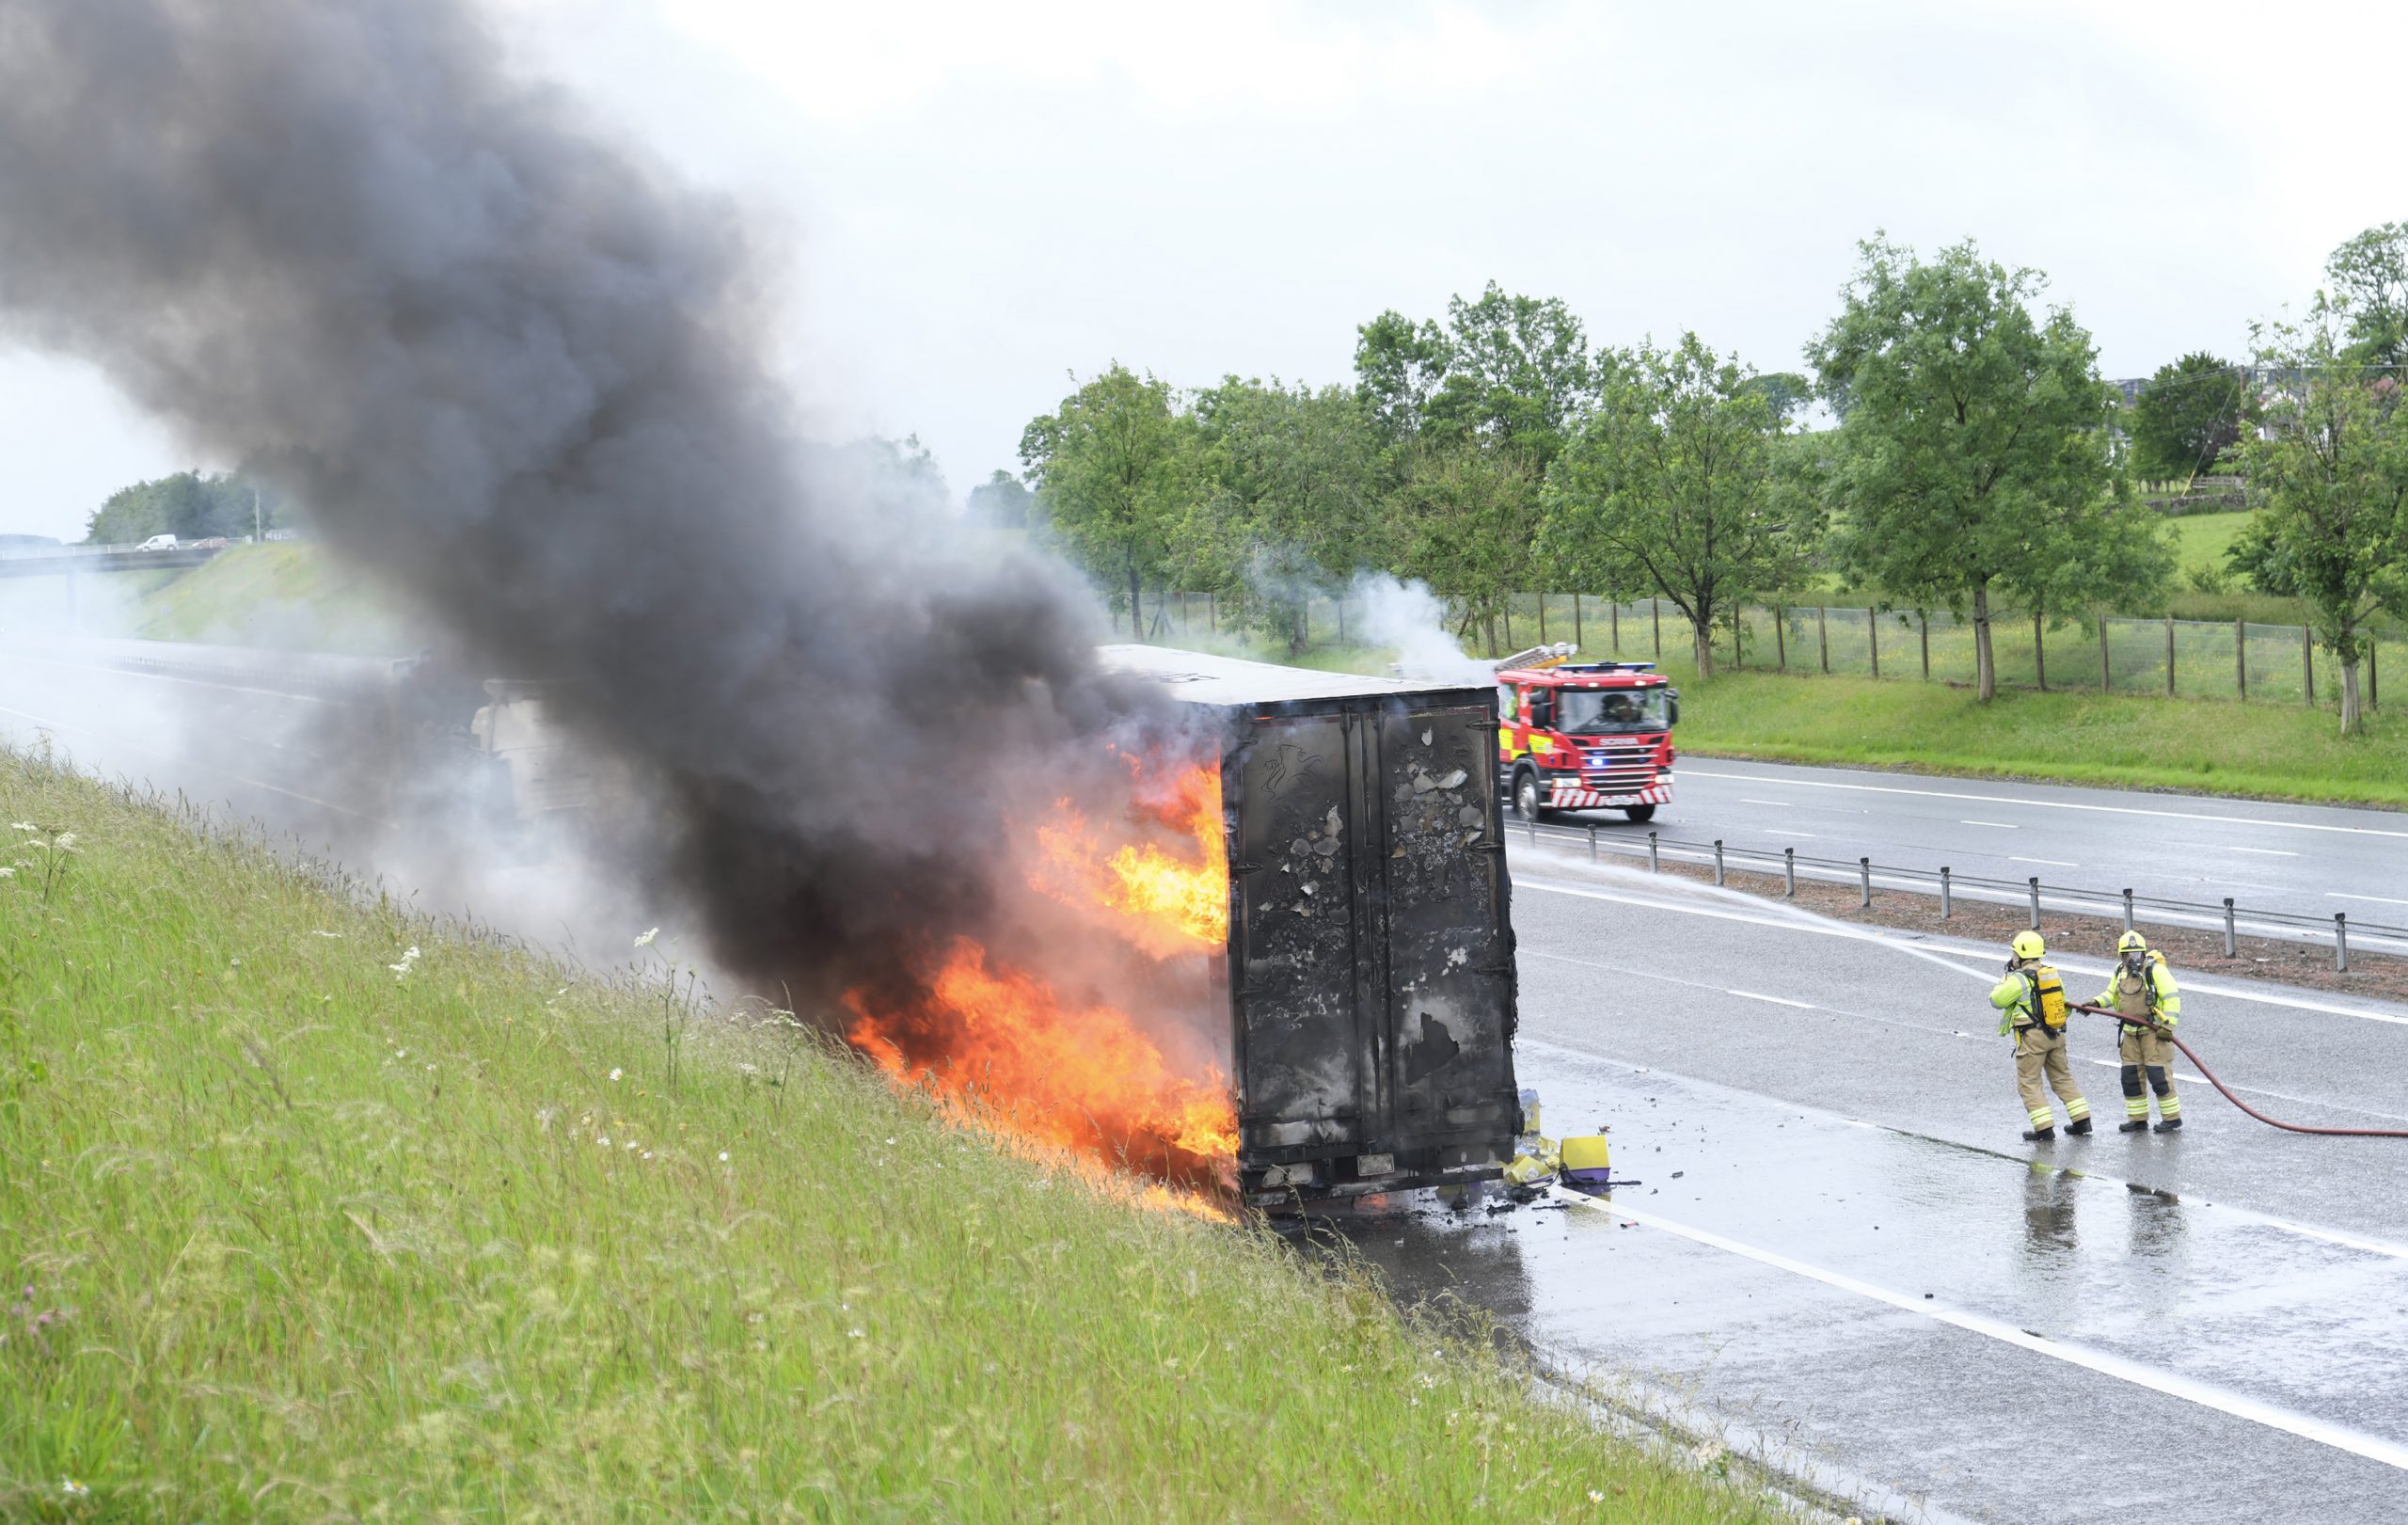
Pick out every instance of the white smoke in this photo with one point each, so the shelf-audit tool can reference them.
(1411, 618)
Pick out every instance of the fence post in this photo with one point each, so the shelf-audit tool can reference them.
(2341, 941)
(2307, 660)
(1823, 635)
(1946, 908)
(1592, 843)
(2241, 658)
(2371, 698)
(1780, 638)
(1864, 881)
(2035, 902)
(2169, 656)
(1613, 612)
(1923, 624)
(2106, 674)
(1576, 621)
(1789, 873)
(1213, 613)
(2128, 911)
(2039, 655)
(1738, 646)
(1655, 607)
(2231, 950)
(1653, 864)
(1718, 860)
(1541, 619)
(1873, 638)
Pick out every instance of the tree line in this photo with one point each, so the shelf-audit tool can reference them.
(1952, 443)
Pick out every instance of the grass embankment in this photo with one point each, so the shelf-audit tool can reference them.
(301, 1237)
(2276, 750)
(290, 596)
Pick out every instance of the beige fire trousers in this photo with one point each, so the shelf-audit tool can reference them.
(2041, 1052)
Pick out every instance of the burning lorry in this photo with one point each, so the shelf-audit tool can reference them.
(1368, 972)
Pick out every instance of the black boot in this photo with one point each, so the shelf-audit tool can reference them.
(2168, 1124)
(2079, 1126)
(2136, 1125)
(2039, 1136)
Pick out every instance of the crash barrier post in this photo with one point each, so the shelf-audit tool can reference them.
(2231, 950)
(2128, 911)
(1864, 881)
(1533, 824)
(2341, 941)
(1789, 873)
(1654, 866)
(1592, 843)
(1718, 860)
(1945, 908)
(2035, 902)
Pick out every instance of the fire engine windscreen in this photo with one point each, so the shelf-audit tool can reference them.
(1611, 711)
(519, 371)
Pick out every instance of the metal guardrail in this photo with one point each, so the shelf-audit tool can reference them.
(1947, 884)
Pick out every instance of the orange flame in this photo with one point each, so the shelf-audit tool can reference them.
(999, 1048)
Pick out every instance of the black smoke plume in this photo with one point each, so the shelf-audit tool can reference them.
(518, 369)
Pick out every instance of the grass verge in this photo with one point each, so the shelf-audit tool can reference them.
(291, 597)
(293, 1233)
(2276, 750)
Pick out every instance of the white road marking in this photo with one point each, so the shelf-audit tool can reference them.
(2238, 1405)
(1801, 923)
(2379, 899)
(1774, 831)
(2263, 852)
(2051, 863)
(173, 677)
(1782, 803)
(2050, 804)
(1998, 824)
(1776, 1000)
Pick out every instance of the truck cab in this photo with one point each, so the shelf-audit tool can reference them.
(1585, 736)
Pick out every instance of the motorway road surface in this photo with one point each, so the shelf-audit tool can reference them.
(2306, 860)
(1839, 1250)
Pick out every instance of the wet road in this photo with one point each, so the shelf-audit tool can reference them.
(1839, 1248)
(2306, 860)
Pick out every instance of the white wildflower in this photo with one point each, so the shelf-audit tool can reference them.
(1596, 1496)
(69, 1487)
(647, 1154)
(64, 841)
(631, 1145)
(314, 932)
(856, 1334)
(645, 941)
(616, 1073)
(7, 872)
(23, 826)
(604, 1140)
(723, 1156)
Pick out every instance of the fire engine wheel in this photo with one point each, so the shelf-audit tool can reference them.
(1526, 797)
(1639, 813)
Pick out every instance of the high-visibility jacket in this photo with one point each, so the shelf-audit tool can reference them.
(2018, 994)
(2151, 996)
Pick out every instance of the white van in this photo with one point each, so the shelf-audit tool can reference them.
(158, 542)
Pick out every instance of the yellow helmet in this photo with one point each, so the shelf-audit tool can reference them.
(2028, 946)
(2131, 943)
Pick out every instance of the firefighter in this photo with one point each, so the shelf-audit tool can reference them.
(2142, 990)
(2031, 1002)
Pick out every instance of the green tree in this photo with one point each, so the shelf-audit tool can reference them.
(2328, 468)
(2189, 414)
(1108, 466)
(190, 505)
(1505, 371)
(1973, 455)
(1000, 502)
(1285, 503)
(1672, 487)
(2367, 282)
(1467, 517)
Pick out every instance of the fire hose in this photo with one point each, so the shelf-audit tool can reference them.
(2211, 1075)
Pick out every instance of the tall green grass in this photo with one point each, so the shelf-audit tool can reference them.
(299, 1225)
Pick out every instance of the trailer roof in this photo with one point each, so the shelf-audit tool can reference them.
(1206, 679)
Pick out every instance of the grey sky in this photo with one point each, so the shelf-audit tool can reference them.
(973, 199)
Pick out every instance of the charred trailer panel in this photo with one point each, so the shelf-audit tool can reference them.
(1370, 959)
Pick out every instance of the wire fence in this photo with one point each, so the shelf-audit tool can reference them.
(2338, 932)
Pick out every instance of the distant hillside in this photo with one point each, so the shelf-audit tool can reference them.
(292, 596)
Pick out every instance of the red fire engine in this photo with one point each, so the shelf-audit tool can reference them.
(1584, 736)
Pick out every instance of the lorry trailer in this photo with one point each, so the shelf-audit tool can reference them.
(1369, 975)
